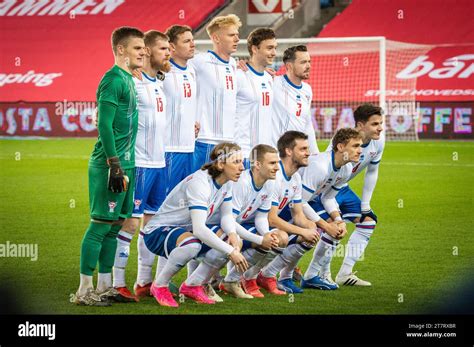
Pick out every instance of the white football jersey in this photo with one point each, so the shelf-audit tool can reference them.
(181, 98)
(286, 189)
(150, 145)
(321, 176)
(217, 92)
(254, 109)
(292, 110)
(197, 191)
(371, 154)
(247, 199)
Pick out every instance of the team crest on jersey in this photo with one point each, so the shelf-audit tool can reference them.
(338, 179)
(372, 154)
(137, 203)
(264, 197)
(112, 205)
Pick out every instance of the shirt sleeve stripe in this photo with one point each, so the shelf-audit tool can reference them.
(229, 198)
(336, 188)
(274, 203)
(234, 211)
(263, 210)
(375, 162)
(297, 201)
(308, 189)
(198, 208)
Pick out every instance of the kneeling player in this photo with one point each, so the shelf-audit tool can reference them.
(177, 231)
(325, 175)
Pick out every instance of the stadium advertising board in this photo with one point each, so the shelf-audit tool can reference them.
(71, 119)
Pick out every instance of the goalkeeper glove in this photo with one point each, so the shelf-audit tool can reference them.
(117, 181)
(368, 213)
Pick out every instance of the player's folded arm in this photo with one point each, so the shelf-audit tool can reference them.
(261, 222)
(328, 199)
(203, 233)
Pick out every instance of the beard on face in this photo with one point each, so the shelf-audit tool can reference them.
(164, 66)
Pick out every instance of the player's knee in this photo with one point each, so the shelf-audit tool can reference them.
(130, 225)
(282, 238)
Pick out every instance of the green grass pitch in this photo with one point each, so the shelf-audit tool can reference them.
(421, 251)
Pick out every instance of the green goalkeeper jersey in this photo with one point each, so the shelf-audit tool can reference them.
(118, 119)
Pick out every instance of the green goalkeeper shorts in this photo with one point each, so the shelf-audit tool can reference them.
(103, 203)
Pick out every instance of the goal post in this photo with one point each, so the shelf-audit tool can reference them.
(348, 71)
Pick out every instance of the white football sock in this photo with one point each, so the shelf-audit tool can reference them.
(356, 246)
(192, 265)
(121, 258)
(253, 256)
(160, 264)
(322, 255)
(145, 262)
(85, 283)
(292, 255)
(213, 261)
(104, 281)
(177, 259)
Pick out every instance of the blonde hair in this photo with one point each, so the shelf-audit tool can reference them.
(222, 21)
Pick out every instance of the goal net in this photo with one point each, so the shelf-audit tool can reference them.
(346, 72)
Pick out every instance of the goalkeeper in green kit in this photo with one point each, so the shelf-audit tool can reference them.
(111, 168)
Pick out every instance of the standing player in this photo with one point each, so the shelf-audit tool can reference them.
(255, 93)
(111, 167)
(181, 98)
(368, 119)
(216, 83)
(292, 97)
(181, 224)
(150, 171)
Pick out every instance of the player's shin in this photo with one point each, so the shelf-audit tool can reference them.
(106, 259)
(145, 262)
(253, 271)
(213, 261)
(292, 255)
(121, 258)
(177, 259)
(322, 256)
(90, 250)
(356, 245)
